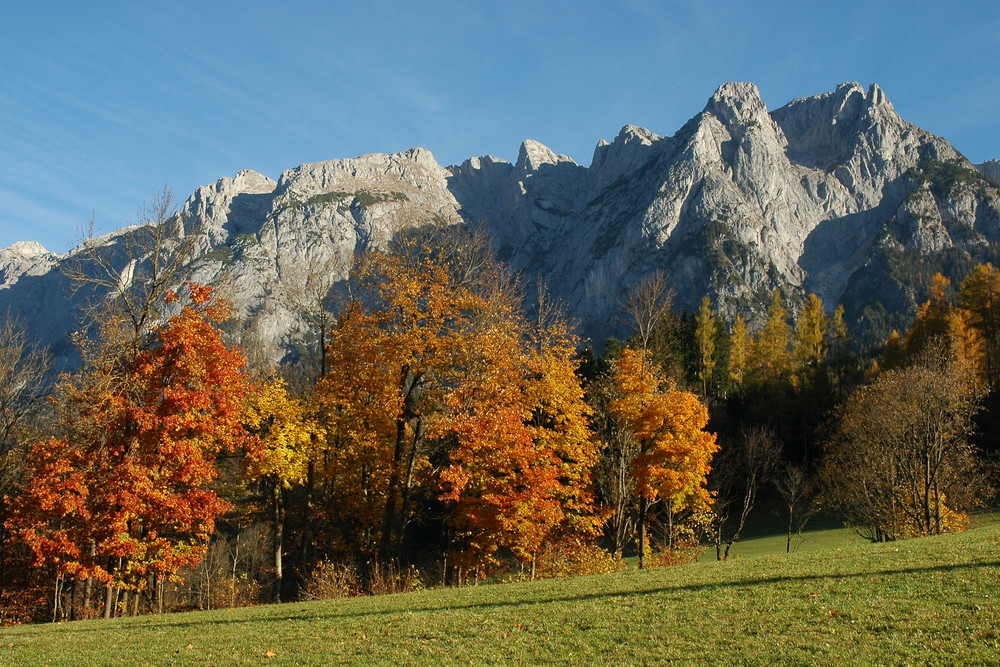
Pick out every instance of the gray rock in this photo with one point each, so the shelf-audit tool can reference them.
(991, 168)
(816, 196)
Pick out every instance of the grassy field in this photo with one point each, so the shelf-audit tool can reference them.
(932, 600)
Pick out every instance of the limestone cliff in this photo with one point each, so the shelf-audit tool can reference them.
(833, 194)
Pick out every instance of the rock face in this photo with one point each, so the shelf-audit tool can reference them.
(991, 168)
(809, 198)
(833, 194)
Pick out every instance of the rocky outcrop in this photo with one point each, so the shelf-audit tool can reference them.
(991, 169)
(739, 201)
(25, 258)
(831, 194)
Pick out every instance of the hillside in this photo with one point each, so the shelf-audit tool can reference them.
(927, 600)
(834, 194)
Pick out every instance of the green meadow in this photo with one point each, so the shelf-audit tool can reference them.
(835, 600)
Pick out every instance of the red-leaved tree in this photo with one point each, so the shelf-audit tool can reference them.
(123, 495)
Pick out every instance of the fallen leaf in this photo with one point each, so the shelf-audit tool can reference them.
(270, 654)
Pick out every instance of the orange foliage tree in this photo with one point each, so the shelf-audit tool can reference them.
(391, 352)
(123, 495)
(519, 465)
(674, 450)
(440, 393)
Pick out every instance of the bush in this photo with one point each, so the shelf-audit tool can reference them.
(329, 580)
(389, 579)
(573, 558)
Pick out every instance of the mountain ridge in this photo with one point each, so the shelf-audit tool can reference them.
(828, 194)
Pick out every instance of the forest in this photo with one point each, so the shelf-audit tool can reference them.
(429, 431)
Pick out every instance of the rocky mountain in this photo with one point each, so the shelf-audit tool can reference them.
(833, 194)
(991, 168)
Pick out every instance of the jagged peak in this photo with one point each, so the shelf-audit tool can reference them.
(629, 138)
(737, 90)
(876, 97)
(249, 181)
(533, 154)
(631, 133)
(736, 103)
(850, 100)
(481, 162)
(846, 88)
(26, 249)
(418, 155)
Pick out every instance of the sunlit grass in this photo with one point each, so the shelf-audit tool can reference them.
(932, 600)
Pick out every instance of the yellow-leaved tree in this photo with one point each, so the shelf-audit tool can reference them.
(979, 298)
(674, 451)
(288, 434)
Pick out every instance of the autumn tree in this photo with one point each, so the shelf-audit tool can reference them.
(839, 352)
(810, 339)
(560, 416)
(121, 494)
(674, 450)
(419, 321)
(979, 298)
(811, 382)
(739, 349)
(899, 462)
(520, 466)
(893, 354)
(23, 387)
(359, 405)
(769, 357)
(287, 434)
(440, 392)
(932, 320)
(705, 332)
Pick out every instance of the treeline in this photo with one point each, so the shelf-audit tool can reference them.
(432, 432)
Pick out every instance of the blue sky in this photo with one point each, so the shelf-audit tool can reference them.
(102, 103)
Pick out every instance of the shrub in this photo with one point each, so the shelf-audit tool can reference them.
(329, 580)
(390, 578)
(575, 557)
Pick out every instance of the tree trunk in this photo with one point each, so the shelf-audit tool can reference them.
(643, 506)
(389, 516)
(670, 526)
(88, 587)
(788, 540)
(55, 597)
(418, 434)
(278, 540)
(937, 507)
(109, 595)
(307, 515)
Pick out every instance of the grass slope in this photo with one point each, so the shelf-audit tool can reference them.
(932, 600)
